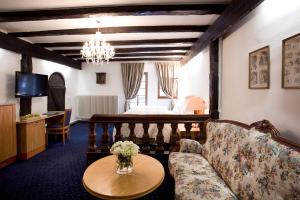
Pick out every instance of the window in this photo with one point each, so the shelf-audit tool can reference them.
(142, 96)
(162, 95)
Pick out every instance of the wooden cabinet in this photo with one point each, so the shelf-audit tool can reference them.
(31, 138)
(8, 138)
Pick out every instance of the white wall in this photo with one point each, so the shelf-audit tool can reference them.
(114, 86)
(10, 62)
(194, 78)
(268, 24)
(87, 81)
(39, 104)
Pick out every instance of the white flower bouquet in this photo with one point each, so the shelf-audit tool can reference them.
(124, 151)
(126, 148)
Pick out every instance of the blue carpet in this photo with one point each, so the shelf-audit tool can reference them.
(56, 173)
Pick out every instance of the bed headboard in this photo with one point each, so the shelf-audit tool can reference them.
(90, 105)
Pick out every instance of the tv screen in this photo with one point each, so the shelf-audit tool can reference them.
(31, 85)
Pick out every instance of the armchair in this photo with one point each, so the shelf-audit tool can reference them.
(61, 126)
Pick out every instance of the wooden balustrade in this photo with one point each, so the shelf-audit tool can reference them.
(105, 121)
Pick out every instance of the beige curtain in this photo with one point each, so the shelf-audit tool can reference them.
(166, 77)
(132, 74)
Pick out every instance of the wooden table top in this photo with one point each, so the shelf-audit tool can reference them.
(38, 118)
(101, 180)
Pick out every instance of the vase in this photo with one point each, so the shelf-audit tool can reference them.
(124, 164)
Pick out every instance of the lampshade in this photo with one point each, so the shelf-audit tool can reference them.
(195, 105)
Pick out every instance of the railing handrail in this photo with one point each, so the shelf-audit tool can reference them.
(132, 119)
(169, 118)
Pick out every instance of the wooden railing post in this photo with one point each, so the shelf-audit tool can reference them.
(202, 136)
(173, 136)
(104, 141)
(131, 135)
(188, 127)
(146, 146)
(118, 136)
(159, 138)
(92, 138)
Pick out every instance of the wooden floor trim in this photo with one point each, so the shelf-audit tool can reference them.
(8, 161)
(26, 156)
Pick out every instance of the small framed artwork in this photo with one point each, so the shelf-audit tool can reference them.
(291, 62)
(259, 68)
(101, 78)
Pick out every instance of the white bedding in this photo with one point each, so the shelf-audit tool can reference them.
(139, 131)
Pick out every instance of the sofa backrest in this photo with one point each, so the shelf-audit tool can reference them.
(251, 163)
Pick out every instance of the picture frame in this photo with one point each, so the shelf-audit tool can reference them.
(290, 75)
(259, 68)
(101, 78)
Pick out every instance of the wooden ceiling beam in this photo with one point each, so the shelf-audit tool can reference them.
(20, 46)
(123, 42)
(126, 50)
(111, 30)
(138, 54)
(125, 10)
(236, 10)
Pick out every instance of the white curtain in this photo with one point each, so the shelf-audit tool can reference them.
(166, 72)
(132, 74)
(167, 77)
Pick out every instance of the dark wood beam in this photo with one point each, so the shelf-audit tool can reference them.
(25, 102)
(232, 14)
(20, 46)
(111, 30)
(132, 10)
(123, 42)
(140, 59)
(139, 54)
(214, 79)
(126, 50)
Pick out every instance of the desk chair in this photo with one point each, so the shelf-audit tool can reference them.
(60, 127)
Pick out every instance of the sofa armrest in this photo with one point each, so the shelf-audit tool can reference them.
(190, 146)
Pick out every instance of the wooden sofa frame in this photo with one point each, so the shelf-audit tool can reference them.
(263, 126)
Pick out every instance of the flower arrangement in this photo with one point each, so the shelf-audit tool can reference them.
(124, 151)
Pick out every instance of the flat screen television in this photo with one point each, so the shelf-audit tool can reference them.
(31, 85)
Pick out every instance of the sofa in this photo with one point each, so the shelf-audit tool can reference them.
(237, 161)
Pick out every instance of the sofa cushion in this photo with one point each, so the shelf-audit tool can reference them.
(251, 163)
(190, 146)
(196, 179)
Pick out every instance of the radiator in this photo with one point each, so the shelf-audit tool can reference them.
(90, 105)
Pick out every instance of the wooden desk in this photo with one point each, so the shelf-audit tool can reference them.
(31, 136)
(101, 180)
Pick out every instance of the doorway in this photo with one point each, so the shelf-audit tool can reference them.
(56, 92)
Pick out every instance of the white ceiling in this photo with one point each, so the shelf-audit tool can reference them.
(107, 21)
(114, 21)
(114, 37)
(14, 5)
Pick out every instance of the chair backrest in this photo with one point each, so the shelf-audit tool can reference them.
(67, 117)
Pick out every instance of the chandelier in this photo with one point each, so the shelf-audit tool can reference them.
(97, 50)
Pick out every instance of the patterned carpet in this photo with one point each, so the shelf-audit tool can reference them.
(57, 173)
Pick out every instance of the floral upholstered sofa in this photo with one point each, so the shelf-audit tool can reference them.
(237, 161)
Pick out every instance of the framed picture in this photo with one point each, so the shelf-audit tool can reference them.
(101, 78)
(291, 62)
(259, 68)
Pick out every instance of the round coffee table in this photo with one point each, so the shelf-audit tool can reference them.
(101, 180)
